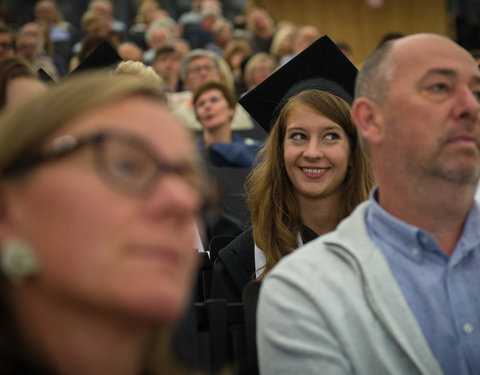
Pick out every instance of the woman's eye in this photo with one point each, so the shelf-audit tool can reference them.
(128, 167)
(331, 136)
(214, 100)
(298, 136)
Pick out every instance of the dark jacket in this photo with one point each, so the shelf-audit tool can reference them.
(235, 265)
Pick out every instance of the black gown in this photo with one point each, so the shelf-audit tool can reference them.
(235, 265)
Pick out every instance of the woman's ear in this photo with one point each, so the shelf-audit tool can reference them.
(18, 259)
(368, 117)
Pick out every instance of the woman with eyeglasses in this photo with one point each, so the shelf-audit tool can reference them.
(214, 105)
(99, 188)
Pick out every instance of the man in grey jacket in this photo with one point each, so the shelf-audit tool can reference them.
(395, 288)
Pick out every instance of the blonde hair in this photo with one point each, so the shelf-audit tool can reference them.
(271, 196)
(142, 71)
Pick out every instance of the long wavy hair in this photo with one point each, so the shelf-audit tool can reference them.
(271, 196)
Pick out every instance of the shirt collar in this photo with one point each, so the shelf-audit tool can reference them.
(406, 238)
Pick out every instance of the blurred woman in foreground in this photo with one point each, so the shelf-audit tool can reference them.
(99, 188)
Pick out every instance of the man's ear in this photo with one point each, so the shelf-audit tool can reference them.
(369, 119)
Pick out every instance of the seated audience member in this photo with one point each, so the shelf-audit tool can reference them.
(167, 65)
(221, 35)
(46, 49)
(130, 51)
(262, 27)
(143, 19)
(282, 43)
(214, 105)
(30, 49)
(236, 53)
(119, 269)
(17, 81)
(7, 48)
(394, 289)
(200, 35)
(193, 16)
(62, 34)
(311, 172)
(258, 68)
(200, 66)
(106, 7)
(304, 36)
(160, 33)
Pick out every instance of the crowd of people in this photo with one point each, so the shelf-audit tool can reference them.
(362, 228)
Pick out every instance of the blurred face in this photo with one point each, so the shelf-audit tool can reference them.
(201, 70)
(45, 11)
(19, 89)
(101, 247)
(167, 65)
(130, 52)
(213, 110)
(27, 47)
(316, 154)
(261, 71)
(6, 46)
(432, 126)
(98, 26)
(159, 38)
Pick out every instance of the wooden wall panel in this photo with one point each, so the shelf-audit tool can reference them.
(362, 27)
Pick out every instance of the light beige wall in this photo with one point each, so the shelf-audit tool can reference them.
(362, 27)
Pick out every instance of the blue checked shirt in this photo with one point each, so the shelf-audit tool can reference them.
(443, 292)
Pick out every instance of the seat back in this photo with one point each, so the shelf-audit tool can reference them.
(250, 300)
(217, 243)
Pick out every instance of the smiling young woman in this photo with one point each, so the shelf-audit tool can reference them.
(311, 173)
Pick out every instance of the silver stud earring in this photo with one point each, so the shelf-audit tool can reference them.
(18, 260)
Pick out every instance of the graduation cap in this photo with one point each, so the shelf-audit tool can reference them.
(321, 66)
(44, 76)
(103, 56)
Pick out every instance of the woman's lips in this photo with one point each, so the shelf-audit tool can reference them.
(314, 172)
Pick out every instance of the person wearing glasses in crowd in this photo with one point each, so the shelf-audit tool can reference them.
(200, 66)
(7, 50)
(96, 234)
(311, 172)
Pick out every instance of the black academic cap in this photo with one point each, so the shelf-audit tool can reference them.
(102, 57)
(44, 76)
(321, 66)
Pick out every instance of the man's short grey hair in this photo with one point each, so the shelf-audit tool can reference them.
(195, 54)
(375, 76)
